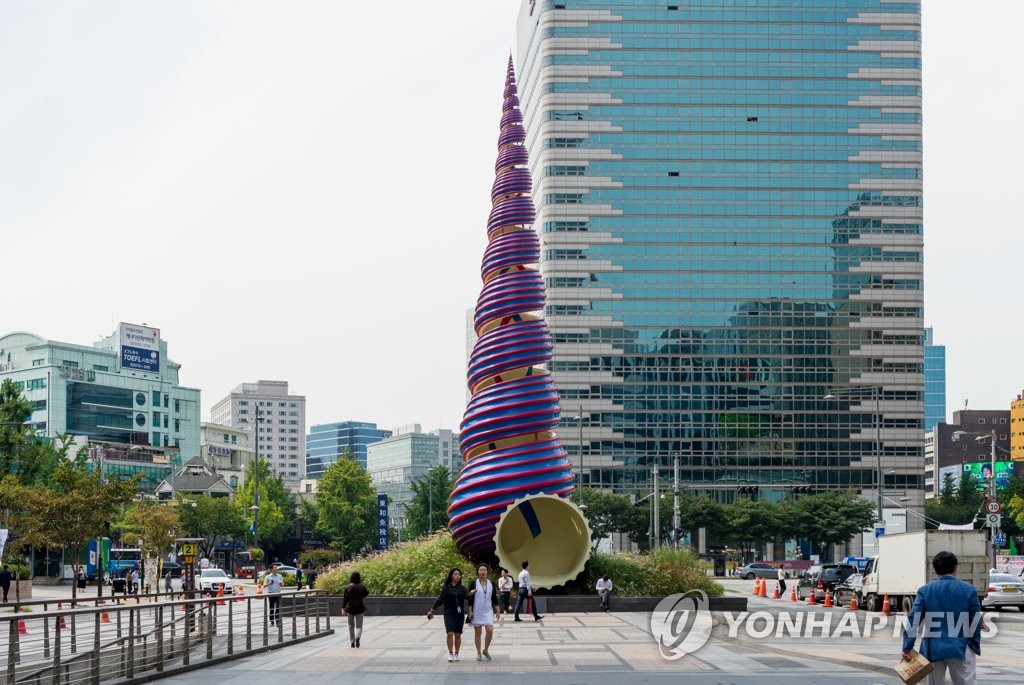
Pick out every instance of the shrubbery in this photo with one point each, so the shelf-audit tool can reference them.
(419, 568)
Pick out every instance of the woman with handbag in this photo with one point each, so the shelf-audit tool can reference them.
(453, 599)
(353, 605)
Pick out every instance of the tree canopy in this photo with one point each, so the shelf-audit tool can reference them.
(346, 505)
(431, 493)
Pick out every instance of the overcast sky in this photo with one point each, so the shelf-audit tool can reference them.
(298, 190)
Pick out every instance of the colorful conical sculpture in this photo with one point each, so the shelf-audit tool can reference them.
(510, 499)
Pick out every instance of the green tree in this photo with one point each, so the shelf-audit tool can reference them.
(1014, 488)
(78, 508)
(212, 519)
(606, 513)
(828, 518)
(29, 457)
(346, 505)
(749, 523)
(428, 509)
(277, 508)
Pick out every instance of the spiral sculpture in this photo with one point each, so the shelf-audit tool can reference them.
(509, 499)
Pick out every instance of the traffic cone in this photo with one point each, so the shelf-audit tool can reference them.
(63, 623)
(764, 588)
(759, 590)
(810, 597)
(853, 603)
(828, 599)
(104, 616)
(22, 628)
(239, 594)
(792, 595)
(777, 594)
(220, 595)
(259, 589)
(886, 607)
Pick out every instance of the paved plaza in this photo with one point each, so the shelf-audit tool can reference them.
(599, 648)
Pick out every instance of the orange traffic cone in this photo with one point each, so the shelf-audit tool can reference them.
(853, 603)
(63, 623)
(104, 616)
(792, 595)
(777, 594)
(810, 597)
(760, 587)
(220, 595)
(886, 607)
(828, 599)
(239, 594)
(259, 589)
(22, 628)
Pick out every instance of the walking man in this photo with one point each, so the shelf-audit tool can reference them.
(947, 615)
(505, 591)
(526, 592)
(5, 581)
(272, 584)
(782, 581)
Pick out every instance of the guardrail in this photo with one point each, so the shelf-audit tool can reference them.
(135, 638)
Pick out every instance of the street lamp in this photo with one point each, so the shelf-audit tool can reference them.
(990, 485)
(876, 395)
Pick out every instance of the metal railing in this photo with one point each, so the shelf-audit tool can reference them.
(132, 637)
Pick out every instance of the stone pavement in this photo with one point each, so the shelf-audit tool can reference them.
(597, 648)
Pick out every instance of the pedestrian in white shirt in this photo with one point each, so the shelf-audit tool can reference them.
(604, 588)
(526, 592)
(483, 607)
(505, 590)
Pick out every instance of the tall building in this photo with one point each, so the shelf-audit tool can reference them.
(1017, 428)
(277, 420)
(326, 442)
(400, 460)
(120, 396)
(934, 381)
(226, 449)
(729, 200)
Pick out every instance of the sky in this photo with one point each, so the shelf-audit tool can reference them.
(299, 190)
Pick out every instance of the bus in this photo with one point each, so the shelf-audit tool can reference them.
(124, 559)
(246, 566)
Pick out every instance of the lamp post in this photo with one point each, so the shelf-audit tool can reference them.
(579, 419)
(876, 396)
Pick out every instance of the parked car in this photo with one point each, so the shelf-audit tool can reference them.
(758, 569)
(1004, 590)
(210, 580)
(822, 577)
(851, 587)
(175, 569)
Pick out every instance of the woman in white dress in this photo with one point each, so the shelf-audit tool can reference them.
(483, 607)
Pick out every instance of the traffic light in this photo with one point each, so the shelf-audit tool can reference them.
(748, 489)
(802, 490)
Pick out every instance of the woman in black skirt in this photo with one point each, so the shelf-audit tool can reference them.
(453, 599)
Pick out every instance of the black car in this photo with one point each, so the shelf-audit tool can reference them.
(822, 577)
(175, 569)
(851, 587)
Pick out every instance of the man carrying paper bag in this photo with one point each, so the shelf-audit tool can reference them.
(947, 616)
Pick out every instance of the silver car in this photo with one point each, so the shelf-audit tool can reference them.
(1004, 590)
(758, 569)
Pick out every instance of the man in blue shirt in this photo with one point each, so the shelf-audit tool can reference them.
(947, 614)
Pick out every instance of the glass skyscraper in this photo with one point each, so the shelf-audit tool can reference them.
(934, 381)
(729, 199)
(326, 442)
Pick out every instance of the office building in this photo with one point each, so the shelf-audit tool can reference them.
(397, 462)
(227, 450)
(1017, 428)
(277, 421)
(120, 396)
(729, 200)
(934, 381)
(326, 442)
(965, 446)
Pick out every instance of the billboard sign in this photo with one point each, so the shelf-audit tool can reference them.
(983, 469)
(382, 521)
(140, 347)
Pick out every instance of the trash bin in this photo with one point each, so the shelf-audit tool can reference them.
(120, 585)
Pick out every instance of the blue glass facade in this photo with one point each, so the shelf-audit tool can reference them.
(325, 442)
(729, 200)
(934, 382)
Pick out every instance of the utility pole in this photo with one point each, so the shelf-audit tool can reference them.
(675, 502)
(657, 512)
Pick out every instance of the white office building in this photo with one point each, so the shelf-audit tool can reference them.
(275, 418)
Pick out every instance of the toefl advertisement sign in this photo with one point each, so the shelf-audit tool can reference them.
(140, 347)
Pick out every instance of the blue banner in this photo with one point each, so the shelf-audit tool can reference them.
(382, 521)
(142, 360)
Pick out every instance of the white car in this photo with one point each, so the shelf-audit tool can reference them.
(1004, 590)
(210, 580)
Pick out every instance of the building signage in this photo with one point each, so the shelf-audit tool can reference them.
(140, 347)
(219, 451)
(382, 521)
(6, 366)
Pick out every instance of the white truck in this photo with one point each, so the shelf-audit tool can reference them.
(904, 563)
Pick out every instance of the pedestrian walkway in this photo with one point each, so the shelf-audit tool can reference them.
(594, 648)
